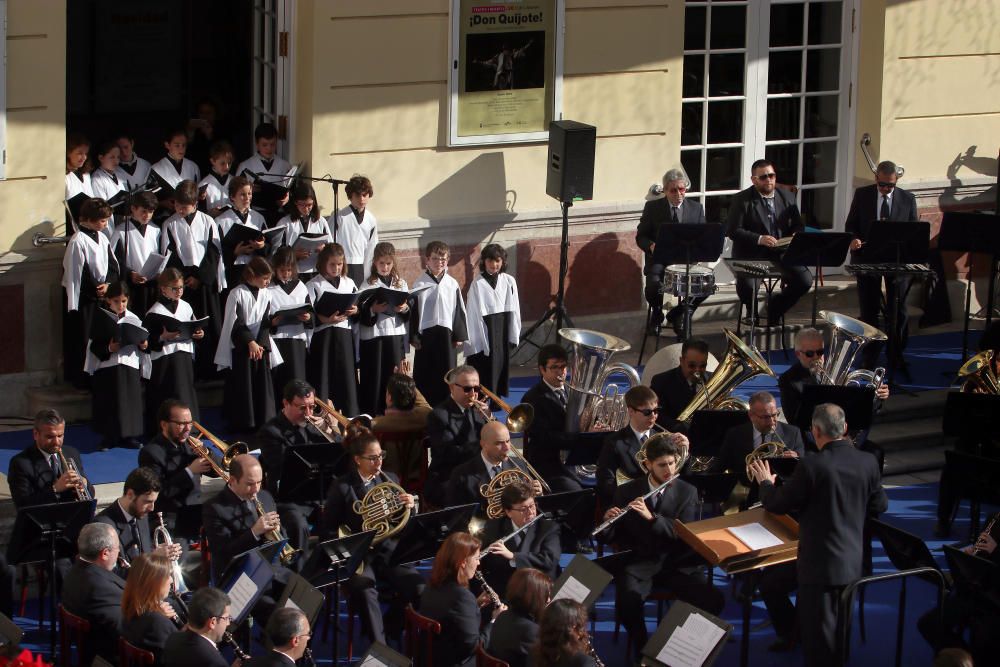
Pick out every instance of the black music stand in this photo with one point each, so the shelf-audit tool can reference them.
(306, 471)
(46, 533)
(424, 533)
(567, 507)
(713, 487)
(330, 564)
(972, 233)
(856, 402)
(585, 448)
(687, 243)
(708, 429)
(583, 580)
(816, 250)
(976, 577)
(898, 243)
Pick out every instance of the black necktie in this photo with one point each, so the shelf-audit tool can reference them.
(561, 394)
(772, 217)
(883, 213)
(642, 439)
(54, 464)
(136, 540)
(494, 471)
(654, 502)
(470, 420)
(673, 214)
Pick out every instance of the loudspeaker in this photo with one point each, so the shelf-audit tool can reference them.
(570, 170)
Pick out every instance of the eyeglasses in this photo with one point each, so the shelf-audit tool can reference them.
(556, 367)
(814, 353)
(171, 288)
(768, 176)
(647, 411)
(182, 424)
(468, 389)
(888, 186)
(227, 619)
(768, 416)
(306, 635)
(373, 458)
(527, 509)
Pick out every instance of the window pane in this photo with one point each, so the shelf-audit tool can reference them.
(694, 76)
(824, 23)
(722, 168)
(786, 25)
(691, 116)
(783, 118)
(822, 69)
(728, 27)
(786, 162)
(821, 116)
(691, 161)
(817, 207)
(725, 122)
(725, 74)
(819, 162)
(717, 208)
(694, 28)
(784, 72)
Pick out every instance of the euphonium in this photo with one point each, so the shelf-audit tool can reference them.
(977, 374)
(847, 337)
(741, 363)
(589, 371)
(381, 510)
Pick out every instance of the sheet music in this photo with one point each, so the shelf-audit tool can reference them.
(241, 594)
(291, 603)
(372, 661)
(755, 536)
(154, 265)
(572, 589)
(690, 644)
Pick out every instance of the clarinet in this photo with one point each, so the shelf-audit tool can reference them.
(492, 594)
(593, 654)
(241, 655)
(988, 530)
(307, 656)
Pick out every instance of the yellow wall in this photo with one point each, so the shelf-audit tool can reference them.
(388, 117)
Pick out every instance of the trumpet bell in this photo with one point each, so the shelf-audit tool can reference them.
(234, 450)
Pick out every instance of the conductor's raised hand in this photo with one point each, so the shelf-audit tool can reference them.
(760, 471)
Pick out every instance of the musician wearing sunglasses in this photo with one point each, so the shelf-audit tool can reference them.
(875, 204)
(467, 478)
(759, 217)
(453, 430)
(676, 387)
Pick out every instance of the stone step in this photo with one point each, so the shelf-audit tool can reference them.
(914, 460)
(904, 407)
(908, 435)
(75, 405)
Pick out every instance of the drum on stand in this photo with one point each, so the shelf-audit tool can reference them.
(677, 282)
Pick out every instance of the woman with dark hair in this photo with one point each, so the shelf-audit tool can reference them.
(515, 630)
(448, 600)
(147, 619)
(563, 640)
(494, 320)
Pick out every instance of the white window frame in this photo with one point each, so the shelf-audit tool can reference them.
(278, 17)
(3, 89)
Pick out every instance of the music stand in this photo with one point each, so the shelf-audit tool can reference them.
(306, 471)
(424, 533)
(677, 617)
(816, 250)
(972, 233)
(688, 243)
(585, 448)
(583, 580)
(856, 402)
(380, 655)
(10, 634)
(247, 577)
(708, 429)
(897, 243)
(45, 533)
(570, 508)
(971, 416)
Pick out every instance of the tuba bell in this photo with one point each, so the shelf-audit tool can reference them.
(847, 337)
(741, 363)
(977, 375)
(587, 400)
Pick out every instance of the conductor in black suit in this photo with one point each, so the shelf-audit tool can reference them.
(659, 556)
(466, 480)
(678, 386)
(672, 208)
(179, 469)
(453, 428)
(368, 455)
(209, 616)
(289, 633)
(875, 204)
(36, 474)
(759, 217)
(537, 546)
(92, 591)
(832, 491)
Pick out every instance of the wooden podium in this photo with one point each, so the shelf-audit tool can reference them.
(721, 548)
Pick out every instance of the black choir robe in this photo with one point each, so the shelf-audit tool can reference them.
(331, 369)
(172, 367)
(494, 327)
(437, 323)
(381, 350)
(116, 382)
(132, 243)
(290, 340)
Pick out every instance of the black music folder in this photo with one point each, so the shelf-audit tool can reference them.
(336, 560)
(106, 326)
(393, 297)
(291, 315)
(238, 234)
(185, 328)
(686, 636)
(688, 243)
(330, 303)
(380, 655)
(159, 186)
(858, 404)
(300, 594)
(582, 580)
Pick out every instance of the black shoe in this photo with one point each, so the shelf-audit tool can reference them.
(782, 645)
(131, 443)
(677, 324)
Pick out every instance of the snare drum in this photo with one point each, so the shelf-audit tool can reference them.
(702, 281)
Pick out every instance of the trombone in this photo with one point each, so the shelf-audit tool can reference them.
(229, 452)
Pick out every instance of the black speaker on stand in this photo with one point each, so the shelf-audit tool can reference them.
(569, 177)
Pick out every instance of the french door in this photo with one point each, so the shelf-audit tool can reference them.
(271, 67)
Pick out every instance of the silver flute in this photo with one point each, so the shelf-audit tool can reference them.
(607, 524)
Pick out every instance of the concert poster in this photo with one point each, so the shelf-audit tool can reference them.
(506, 70)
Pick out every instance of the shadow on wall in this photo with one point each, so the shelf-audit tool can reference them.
(982, 166)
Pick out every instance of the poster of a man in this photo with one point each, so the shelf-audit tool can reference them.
(505, 61)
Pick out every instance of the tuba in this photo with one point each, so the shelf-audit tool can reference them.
(587, 400)
(977, 375)
(847, 337)
(382, 511)
(741, 363)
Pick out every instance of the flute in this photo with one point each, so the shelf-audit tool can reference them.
(604, 526)
(522, 528)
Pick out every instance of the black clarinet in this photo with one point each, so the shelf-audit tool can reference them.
(240, 654)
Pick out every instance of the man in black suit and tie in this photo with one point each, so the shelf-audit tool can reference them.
(453, 429)
(536, 546)
(92, 591)
(659, 556)
(368, 455)
(36, 474)
(762, 427)
(547, 438)
(759, 217)
(179, 470)
(129, 516)
(672, 208)
(208, 619)
(466, 479)
(677, 387)
(289, 633)
(832, 491)
(875, 204)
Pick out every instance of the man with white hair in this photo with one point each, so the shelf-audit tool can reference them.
(672, 208)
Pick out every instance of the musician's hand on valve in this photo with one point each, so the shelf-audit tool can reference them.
(406, 499)
(882, 392)
(760, 471)
(199, 466)
(639, 505)
(66, 481)
(679, 440)
(536, 486)
(265, 523)
(498, 549)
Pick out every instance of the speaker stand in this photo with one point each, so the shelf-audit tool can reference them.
(558, 310)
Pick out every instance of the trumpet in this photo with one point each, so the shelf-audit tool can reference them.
(69, 465)
(288, 552)
(162, 537)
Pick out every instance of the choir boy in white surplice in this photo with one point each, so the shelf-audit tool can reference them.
(77, 172)
(235, 254)
(216, 182)
(331, 369)
(266, 166)
(437, 324)
(289, 336)
(356, 228)
(107, 182)
(133, 242)
(304, 219)
(193, 240)
(174, 167)
(134, 167)
(245, 351)
(494, 312)
(89, 266)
